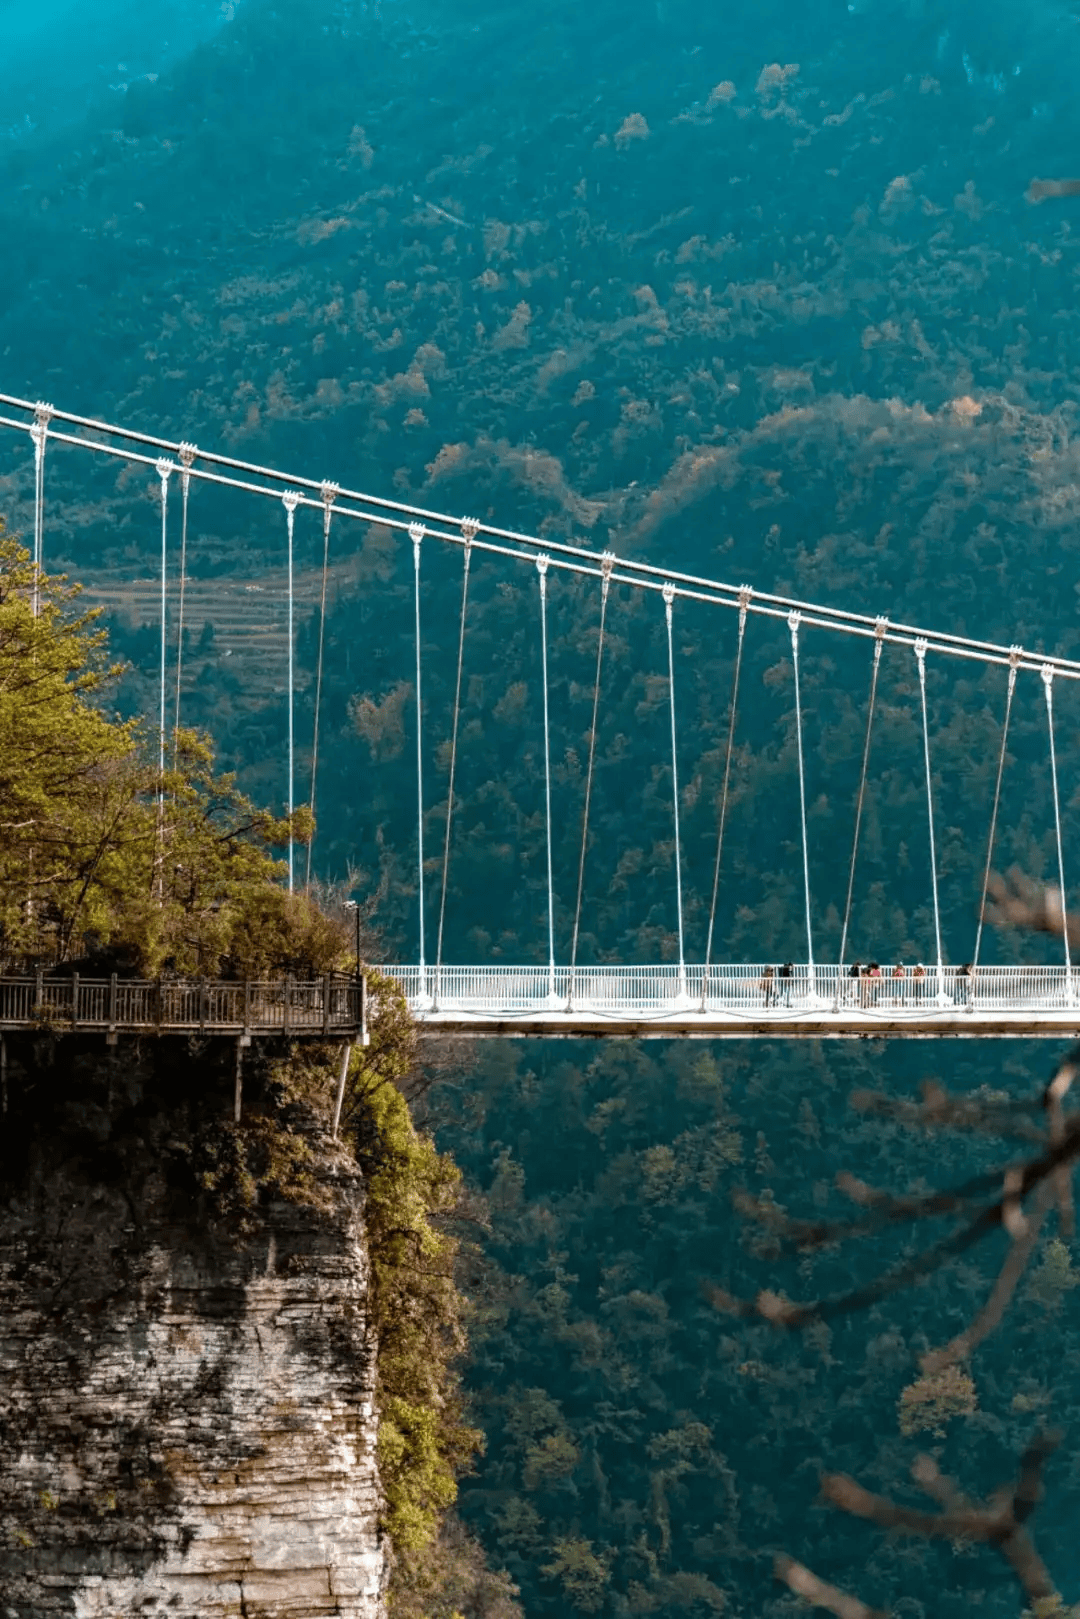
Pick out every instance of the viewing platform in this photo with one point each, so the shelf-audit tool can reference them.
(332, 1007)
(741, 1002)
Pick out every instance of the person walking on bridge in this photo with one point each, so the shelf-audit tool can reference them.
(768, 985)
(787, 973)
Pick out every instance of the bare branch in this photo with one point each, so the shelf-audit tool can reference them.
(806, 1584)
(1016, 901)
(1025, 1234)
(998, 1523)
(1028, 1490)
(996, 1118)
(929, 1477)
(1062, 1178)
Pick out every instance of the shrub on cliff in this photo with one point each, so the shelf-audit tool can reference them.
(413, 1194)
(412, 1190)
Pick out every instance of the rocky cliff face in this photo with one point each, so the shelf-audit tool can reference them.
(186, 1416)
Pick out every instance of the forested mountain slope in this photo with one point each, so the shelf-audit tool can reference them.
(757, 294)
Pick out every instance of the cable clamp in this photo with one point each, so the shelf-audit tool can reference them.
(43, 414)
(1015, 654)
(188, 452)
(880, 627)
(416, 534)
(668, 593)
(746, 595)
(290, 500)
(920, 652)
(164, 469)
(329, 492)
(470, 528)
(607, 565)
(1047, 673)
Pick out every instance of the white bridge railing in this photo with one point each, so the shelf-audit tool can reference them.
(755, 991)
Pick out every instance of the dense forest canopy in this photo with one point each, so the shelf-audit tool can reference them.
(755, 291)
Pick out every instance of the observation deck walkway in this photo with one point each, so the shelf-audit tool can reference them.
(741, 1003)
(329, 1008)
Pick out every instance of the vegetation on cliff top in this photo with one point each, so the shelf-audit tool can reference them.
(101, 856)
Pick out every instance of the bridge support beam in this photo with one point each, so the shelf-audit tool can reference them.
(949, 1024)
(238, 1093)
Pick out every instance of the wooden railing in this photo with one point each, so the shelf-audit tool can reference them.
(331, 1007)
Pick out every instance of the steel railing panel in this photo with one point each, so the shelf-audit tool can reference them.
(273, 1007)
(661, 990)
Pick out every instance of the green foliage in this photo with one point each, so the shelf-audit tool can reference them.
(412, 1191)
(581, 1574)
(931, 1402)
(451, 1581)
(98, 853)
(1053, 1277)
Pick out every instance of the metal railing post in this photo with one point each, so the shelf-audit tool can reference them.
(74, 1001)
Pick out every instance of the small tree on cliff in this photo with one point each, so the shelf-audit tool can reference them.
(97, 850)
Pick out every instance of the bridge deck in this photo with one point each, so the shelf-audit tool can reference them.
(741, 1003)
(331, 1007)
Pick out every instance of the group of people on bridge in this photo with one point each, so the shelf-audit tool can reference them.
(870, 984)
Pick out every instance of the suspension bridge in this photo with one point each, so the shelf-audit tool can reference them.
(680, 996)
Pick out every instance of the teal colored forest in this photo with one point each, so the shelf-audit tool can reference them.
(763, 292)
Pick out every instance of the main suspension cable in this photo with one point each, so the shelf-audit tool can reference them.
(794, 620)
(605, 586)
(878, 644)
(745, 594)
(1048, 686)
(329, 493)
(920, 658)
(398, 514)
(466, 559)
(569, 557)
(994, 814)
(669, 597)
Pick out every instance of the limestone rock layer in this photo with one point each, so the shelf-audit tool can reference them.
(187, 1425)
